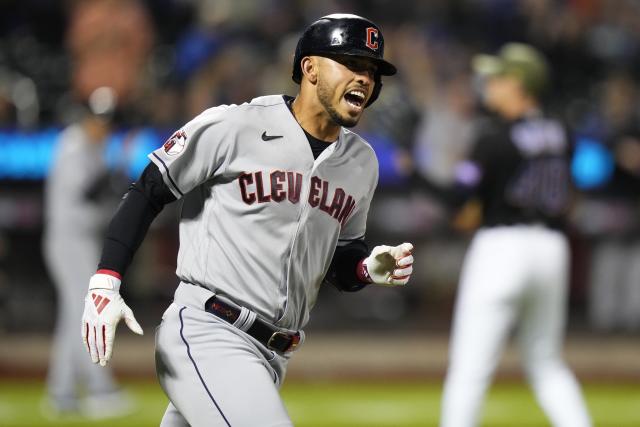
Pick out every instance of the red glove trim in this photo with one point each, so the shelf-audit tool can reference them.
(86, 329)
(104, 341)
(362, 273)
(110, 273)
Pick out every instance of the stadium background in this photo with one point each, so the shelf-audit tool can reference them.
(172, 58)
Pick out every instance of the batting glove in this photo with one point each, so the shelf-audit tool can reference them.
(389, 265)
(103, 309)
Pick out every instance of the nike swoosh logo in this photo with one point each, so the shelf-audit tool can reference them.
(266, 137)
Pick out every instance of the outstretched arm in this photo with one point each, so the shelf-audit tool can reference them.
(104, 307)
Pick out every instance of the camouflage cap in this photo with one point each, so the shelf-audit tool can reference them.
(519, 60)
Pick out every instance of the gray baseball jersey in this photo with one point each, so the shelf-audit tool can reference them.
(260, 218)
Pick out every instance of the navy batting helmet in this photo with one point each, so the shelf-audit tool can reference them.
(344, 34)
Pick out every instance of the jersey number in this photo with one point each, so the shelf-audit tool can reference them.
(542, 185)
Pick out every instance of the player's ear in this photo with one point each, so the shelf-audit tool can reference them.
(309, 66)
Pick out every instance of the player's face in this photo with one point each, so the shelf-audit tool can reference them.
(344, 86)
(500, 92)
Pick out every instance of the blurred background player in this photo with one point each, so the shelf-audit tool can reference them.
(516, 270)
(80, 193)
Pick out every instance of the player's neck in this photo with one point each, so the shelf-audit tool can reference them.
(313, 118)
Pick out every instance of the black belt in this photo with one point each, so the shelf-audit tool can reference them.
(271, 336)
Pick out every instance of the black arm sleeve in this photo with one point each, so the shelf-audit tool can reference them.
(140, 205)
(342, 272)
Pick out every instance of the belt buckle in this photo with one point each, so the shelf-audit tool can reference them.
(280, 335)
(295, 340)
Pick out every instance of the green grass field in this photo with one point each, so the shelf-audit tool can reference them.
(346, 405)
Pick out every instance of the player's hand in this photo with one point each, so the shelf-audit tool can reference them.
(390, 265)
(103, 309)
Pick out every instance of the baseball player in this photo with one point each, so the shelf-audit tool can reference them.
(75, 197)
(275, 195)
(515, 272)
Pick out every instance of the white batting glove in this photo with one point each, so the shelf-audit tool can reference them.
(390, 265)
(103, 309)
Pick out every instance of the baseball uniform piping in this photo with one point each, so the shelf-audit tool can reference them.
(198, 370)
(168, 174)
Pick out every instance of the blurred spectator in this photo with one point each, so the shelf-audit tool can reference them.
(4, 281)
(397, 114)
(608, 213)
(8, 113)
(19, 104)
(444, 136)
(109, 41)
(79, 198)
(226, 78)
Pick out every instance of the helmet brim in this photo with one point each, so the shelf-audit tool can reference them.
(384, 68)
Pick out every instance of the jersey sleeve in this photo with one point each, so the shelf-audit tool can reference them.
(485, 145)
(195, 153)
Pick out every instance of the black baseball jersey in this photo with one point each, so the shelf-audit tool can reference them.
(520, 171)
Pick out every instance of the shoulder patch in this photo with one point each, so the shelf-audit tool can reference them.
(176, 143)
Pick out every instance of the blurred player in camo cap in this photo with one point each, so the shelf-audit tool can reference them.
(515, 274)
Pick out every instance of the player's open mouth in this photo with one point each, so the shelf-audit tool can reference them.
(355, 98)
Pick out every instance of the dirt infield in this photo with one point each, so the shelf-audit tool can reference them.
(350, 356)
